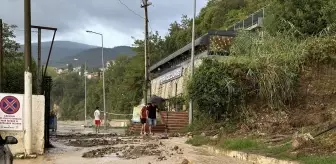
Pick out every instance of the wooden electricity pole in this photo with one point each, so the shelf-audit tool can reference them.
(27, 115)
(145, 5)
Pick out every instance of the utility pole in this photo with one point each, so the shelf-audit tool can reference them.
(145, 5)
(191, 104)
(39, 76)
(1, 56)
(27, 79)
(85, 76)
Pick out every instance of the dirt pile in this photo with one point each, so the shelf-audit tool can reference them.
(102, 152)
(136, 151)
(85, 136)
(100, 142)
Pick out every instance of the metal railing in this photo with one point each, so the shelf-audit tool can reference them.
(253, 20)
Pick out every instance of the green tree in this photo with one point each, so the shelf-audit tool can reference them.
(305, 17)
(14, 63)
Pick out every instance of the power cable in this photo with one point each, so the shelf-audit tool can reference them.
(135, 13)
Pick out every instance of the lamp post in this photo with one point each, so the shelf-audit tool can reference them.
(192, 60)
(85, 76)
(102, 55)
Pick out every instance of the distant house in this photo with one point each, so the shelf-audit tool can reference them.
(109, 63)
(61, 70)
(92, 75)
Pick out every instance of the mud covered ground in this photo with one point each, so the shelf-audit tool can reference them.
(114, 148)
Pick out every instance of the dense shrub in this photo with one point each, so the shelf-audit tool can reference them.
(262, 70)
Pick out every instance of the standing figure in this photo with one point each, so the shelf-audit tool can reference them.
(152, 109)
(97, 119)
(143, 119)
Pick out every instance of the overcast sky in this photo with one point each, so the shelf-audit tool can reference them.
(110, 17)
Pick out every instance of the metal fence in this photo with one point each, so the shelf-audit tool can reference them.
(251, 21)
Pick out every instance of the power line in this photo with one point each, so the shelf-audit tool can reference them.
(131, 9)
(135, 13)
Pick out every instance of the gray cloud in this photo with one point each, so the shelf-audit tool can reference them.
(72, 17)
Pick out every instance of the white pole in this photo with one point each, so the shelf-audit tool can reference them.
(105, 121)
(85, 93)
(28, 112)
(192, 61)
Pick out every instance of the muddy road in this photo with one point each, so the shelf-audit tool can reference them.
(115, 148)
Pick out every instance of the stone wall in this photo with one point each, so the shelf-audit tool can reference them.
(37, 131)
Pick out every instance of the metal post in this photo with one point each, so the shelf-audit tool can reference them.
(85, 93)
(105, 121)
(192, 61)
(1, 56)
(104, 99)
(27, 80)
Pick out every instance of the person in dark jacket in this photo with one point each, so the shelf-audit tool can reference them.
(151, 113)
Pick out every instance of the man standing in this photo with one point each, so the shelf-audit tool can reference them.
(143, 119)
(97, 119)
(152, 109)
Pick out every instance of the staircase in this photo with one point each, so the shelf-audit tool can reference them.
(175, 122)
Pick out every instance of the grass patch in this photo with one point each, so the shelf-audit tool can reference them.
(318, 159)
(239, 144)
(198, 141)
(250, 145)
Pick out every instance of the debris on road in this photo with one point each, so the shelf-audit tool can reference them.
(135, 151)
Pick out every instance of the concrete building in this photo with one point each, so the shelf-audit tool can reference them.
(169, 76)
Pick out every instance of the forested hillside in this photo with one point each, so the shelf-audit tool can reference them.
(124, 81)
(289, 28)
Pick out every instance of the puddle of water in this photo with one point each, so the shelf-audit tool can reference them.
(112, 157)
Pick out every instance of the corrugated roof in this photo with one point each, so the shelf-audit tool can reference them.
(203, 40)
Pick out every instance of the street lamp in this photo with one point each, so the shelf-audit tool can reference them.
(192, 60)
(102, 47)
(85, 76)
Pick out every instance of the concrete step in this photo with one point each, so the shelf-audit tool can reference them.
(175, 114)
(177, 125)
(177, 120)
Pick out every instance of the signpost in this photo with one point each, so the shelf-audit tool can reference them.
(171, 75)
(11, 112)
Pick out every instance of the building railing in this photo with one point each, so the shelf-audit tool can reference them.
(253, 20)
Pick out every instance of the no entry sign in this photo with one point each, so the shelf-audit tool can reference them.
(11, 111)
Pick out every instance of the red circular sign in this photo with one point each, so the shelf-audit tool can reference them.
(10, 105)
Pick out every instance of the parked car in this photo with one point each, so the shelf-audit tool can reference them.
(6, 156)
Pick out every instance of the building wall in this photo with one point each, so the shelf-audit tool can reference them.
(37, 131)
(170, 89)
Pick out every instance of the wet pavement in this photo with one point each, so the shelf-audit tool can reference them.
(114, 148)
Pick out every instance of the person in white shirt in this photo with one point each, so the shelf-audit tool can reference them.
(97, 119)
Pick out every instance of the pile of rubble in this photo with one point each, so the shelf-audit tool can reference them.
(99, 142)
(136, 151)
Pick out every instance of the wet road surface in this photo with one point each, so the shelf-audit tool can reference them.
(69, 149)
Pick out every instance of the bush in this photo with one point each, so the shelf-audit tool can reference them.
(263, 69)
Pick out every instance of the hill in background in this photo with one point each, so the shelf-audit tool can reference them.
(64, 52)
(94, 58)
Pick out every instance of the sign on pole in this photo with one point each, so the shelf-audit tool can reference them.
(11, 111)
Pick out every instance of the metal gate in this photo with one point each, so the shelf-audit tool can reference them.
(47, 84)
